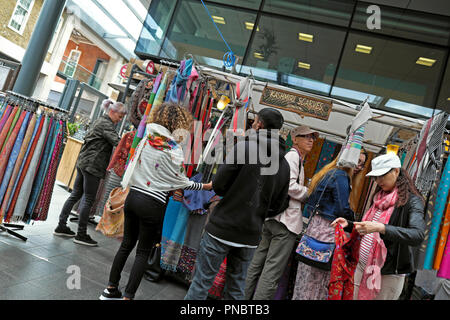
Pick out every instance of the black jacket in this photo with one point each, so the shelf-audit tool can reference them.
(406, 229)
(249, 196)
(97, 148)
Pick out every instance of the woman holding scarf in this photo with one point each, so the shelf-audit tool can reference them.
(155, 169)
(393, 224)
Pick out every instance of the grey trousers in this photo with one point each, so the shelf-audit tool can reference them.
(269, 261)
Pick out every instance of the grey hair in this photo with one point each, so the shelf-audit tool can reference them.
(110, 105)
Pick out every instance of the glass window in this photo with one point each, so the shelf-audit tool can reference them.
(20, 15)
(443, 102)
(337, 12)
(250, 4)
(405, 24)
(396, 74)
(300, 54)
(155, 27)
(193, 32)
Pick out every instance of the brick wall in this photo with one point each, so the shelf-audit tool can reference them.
(6, 11)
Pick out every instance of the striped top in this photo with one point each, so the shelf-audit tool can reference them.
(162, 195)
(367, 242)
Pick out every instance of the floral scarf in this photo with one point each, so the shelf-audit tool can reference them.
(371, 280)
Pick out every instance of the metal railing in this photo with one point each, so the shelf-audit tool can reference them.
(68, 69)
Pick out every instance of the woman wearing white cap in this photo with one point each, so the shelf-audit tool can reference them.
(393, 224)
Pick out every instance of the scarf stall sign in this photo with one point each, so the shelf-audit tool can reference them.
(32, 136)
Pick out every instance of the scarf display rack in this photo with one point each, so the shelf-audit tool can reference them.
(32, 135)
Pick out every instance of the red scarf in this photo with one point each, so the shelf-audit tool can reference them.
(371, 280)
(345, 260)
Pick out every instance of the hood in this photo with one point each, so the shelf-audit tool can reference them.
(160, 137)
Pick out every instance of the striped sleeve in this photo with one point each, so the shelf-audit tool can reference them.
(195, 186)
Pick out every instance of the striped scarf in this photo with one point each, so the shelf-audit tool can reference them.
(371, 281)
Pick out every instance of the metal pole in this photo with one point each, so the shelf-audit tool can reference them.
(38, 46)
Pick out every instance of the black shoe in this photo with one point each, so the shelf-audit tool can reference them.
(63, 231)
(111, 294)
(85, 239)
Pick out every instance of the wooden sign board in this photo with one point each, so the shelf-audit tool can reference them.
(303, 105)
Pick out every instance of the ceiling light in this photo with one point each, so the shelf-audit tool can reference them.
(218, 19)
(305, 37)
(258, 55)
(304, 65)
(363, 49)
(250, 26)
(425, 61)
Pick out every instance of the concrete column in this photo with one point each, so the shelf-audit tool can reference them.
(38, 46)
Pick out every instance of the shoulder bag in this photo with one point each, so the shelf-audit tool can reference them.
(313, 252)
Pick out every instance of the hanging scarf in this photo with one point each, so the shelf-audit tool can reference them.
(431, 161)
(345, 260)
(371, 280)
(351, 150)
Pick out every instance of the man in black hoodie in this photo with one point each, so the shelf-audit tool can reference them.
(254, 183)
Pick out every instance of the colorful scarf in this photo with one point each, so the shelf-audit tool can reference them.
(371, 280)
(345, 260)
(440, 203)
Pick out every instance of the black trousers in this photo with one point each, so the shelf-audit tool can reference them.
(144, 216)
(85, 188)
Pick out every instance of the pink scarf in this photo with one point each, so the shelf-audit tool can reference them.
(371, 281)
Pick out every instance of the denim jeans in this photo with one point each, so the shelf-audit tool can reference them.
(84, 188)
(144, 216)
(211, 255)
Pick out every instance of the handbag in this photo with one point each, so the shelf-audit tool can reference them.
(154, 272)
(313, 252)
(111, 222)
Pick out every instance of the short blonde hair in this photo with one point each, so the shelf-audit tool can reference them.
(171, 116)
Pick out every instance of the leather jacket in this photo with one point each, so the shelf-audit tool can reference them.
(405, 230)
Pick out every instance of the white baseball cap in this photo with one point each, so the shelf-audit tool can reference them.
(383, 164)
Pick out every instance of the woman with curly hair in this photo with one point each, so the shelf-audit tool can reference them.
(393, 224)
(154, 171)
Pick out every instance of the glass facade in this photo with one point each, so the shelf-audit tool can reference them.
(323, 46)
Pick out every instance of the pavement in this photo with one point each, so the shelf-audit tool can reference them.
(46, 267)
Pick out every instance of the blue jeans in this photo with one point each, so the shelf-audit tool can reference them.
(211, 255)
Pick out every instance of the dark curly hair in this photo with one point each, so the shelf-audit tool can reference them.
(171, 116)
(405, 186)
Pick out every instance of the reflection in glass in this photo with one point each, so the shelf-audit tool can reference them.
(444, 96)
(300, 54)
(193, 32)
(337, 12)
(250, 4)
(406, 24)
(390, 71)
(155, 27)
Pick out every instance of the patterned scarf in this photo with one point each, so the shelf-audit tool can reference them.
(371, 281)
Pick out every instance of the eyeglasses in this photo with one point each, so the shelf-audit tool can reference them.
(308, 136)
